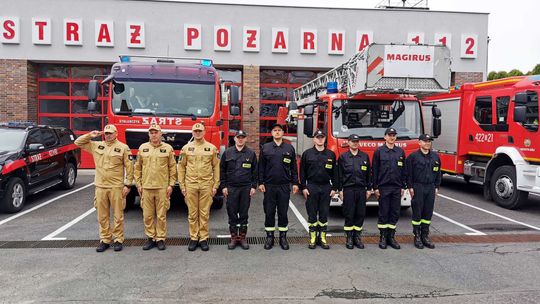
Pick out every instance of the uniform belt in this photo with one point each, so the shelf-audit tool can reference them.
(317, 184)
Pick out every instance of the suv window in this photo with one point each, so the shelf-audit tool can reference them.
(66, 136)
(48, 137)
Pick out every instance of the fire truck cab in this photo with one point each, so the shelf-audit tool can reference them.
(490, 137)
(374, 90)
(175, 93)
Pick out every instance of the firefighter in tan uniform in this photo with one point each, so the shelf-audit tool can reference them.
(198, 176)
(155, 176)
(114, 175)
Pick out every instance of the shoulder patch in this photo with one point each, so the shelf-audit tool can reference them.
(117, 150)
(101, 147)
(163, 150)
(191, 149)
(145, 150)
(207, 149)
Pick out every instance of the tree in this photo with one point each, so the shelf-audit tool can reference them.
(492, 75)
(515, 72)
(501, 74)
(536, 70)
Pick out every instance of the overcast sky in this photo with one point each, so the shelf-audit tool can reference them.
(514, 27)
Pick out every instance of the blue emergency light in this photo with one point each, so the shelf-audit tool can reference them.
(125, 59)
(331, 87)
(206, 62)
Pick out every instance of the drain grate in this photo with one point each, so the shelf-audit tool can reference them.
(296, 240)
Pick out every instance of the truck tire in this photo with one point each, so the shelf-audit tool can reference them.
(15, 196)
(69, 176)
(218, 202)
(503, 188)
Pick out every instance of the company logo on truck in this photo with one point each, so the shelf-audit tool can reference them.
(408, 57)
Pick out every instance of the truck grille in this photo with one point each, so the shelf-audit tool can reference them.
(176, 139)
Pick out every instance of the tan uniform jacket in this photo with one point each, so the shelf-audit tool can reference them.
(113, 166)
(199, 163)
(155, 167)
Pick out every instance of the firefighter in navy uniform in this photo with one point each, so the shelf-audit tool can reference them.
(318, 178)
(389, 179)
(424, 180)
(355, 188)
(239, 181)
(277, 171)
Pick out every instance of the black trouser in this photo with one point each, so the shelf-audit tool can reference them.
(389, 207)
(238, 205)
(276, 197)
(354, 208)
(422, 203)
(318, 204)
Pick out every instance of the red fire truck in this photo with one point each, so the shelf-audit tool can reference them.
(490, 137)
(374, 90)
(175, 93)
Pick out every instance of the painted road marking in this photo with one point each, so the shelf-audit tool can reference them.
(490, 212)
(9, 219)
(52, 236)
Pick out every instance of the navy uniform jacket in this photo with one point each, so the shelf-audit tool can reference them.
(318, 167)
(424, 169)
(238, 168)
(354, 170)
(389, 168)
(277, 164)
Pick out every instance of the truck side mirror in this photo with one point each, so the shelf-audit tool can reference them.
(521, 98)
(234, 94)
(308, 110)
(436, 112)
(235, 110)
(436, 126)
(520, 113)
(35, 148)
(308, 126)
(93, 88)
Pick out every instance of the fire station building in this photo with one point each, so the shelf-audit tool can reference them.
(50, 50)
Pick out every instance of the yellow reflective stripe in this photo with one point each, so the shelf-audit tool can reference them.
(323, 237)
(283, 228)
(415, 223)
(391, 226)
(348, 228)
(357, 228)
(270, 228)
(425, 222)
(382, 226)
(312, 224)
(322, 224)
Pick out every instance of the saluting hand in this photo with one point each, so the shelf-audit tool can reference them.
(95, 133)
(306, 193)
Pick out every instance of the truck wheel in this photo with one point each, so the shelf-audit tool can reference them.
(69, 176)
(218, 202)
(15, 196)
(503, 188)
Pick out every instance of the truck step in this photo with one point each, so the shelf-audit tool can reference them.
(44, 186)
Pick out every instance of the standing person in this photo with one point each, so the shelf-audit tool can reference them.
(198, 176)
(239, 182)
(277, 171)
(355, 188)
(155, 176)
(319, 181)
(424, 180)
(389, 184)
(114, 175)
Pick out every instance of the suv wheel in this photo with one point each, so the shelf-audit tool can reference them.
(69, 176)
(15, 196)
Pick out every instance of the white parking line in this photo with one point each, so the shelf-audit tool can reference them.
(489, 212)
(474, 232)
(9, 219)
(51, 237)
(299, 215)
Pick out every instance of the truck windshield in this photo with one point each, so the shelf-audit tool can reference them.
(370, 118)
(163, 98)
(11, 140)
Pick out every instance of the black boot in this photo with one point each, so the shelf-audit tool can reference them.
(204, 245)
(161, 245)
(313, 235)
(382, 238)
(318, 230)
(349, 241)
(117, 246)
(283, 240)
(324, 242)
(234, 236)
(192, 245)
(149, 244)
(357, 239)
(425, 237)
(242, 238)
(102, 247)
(417, 237)
(269, 243)
(391, 239)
